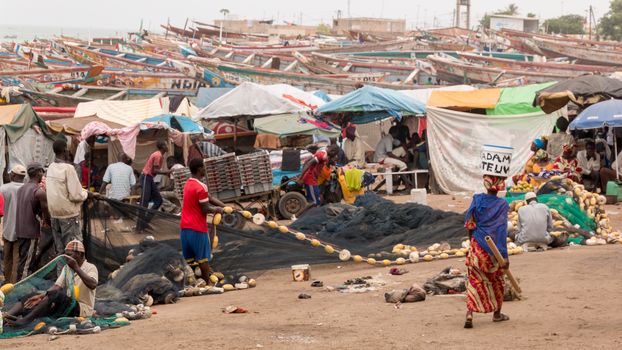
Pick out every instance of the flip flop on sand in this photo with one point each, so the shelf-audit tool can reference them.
(469, 322)
(502, 318)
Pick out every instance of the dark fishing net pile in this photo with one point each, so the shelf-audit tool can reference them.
(375, 224)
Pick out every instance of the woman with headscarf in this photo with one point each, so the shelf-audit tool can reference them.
(487, 216)
(536, 145)
(567, 164)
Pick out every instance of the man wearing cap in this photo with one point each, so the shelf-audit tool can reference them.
(534, 222)
(65, 196)
(11, 250)
(32, 209)
(56, 302)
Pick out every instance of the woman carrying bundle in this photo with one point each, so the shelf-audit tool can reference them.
(487, 216)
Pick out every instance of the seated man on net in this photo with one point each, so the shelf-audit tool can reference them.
(56, 301)
(534, 224)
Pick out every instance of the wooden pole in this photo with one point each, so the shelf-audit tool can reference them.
(501, 260)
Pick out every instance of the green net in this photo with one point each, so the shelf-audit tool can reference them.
(38, 283)
(565, 205)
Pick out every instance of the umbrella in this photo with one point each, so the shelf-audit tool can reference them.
(606, 113)
(583, 90)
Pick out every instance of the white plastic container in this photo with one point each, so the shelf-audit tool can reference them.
(496, 160)
(419, 195)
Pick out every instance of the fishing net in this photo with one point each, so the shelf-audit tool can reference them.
(375, 224)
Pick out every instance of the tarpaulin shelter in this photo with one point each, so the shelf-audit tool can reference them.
(26, 135)
(423, 95)
(455, 141)
(177, 122)
(372, 99)
(295, 95)
(248, 100)
(74, 126)
(205, 96)
(125, 113)
(583, 91)
(465, 100)
(288, 125)
(518, 100)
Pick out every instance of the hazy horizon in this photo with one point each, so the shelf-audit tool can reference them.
(127, 15)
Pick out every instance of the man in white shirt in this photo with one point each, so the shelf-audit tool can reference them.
(353, 146)
(534, 222)
(65, 196)
(84, 147)
(121, 178)
(383, 153)
(589, 162)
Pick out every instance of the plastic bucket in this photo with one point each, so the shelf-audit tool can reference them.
(496, 160)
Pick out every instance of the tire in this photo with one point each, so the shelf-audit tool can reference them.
(292, 203)
(235, 221)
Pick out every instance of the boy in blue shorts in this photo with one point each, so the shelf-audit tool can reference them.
(195, 236)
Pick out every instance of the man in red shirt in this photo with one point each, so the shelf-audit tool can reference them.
(195, 236)
(309, 176)
(150, 191)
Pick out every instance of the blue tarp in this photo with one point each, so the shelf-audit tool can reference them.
(323, 95)
(178, 122)
(606, 113)
(208, 95)
(374, 99)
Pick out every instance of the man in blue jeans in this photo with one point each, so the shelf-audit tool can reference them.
(149, 189)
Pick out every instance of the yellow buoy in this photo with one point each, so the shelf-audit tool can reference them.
(315, 243)
(272, 224)
(283, 229)
(460, 253)
(329, 249)
(227, 210)
(38, 326)
(6, 288)
(247, 214)
(215, 242)
(76, 292)
(371, 261)
(213, 279)
(357, 258)
(228, 287)
(428, 257)
(217, 219)
(386, 262)
(444, 256)
(400, 261)
(300, 236)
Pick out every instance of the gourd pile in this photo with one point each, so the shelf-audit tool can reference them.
(522, 186)
(592, 204)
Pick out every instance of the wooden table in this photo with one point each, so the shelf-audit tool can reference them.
(389, 179)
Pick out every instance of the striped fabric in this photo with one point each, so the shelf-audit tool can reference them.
(485, 286)
(211, 150)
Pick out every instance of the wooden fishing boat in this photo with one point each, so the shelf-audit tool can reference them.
(584, 53)
(571, 70)
(72, 75)
(70, 95)
(112, 58)
(461, 72)
(148, 80)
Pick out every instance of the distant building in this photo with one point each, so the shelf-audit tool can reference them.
(265, 27)
(523, 24)
(373, 25)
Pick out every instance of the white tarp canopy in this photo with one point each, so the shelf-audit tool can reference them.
(455, 141)
(249, 99)
(423, 95)
(282, 90)
(125, 113)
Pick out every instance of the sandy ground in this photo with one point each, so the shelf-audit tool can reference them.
(570, 301)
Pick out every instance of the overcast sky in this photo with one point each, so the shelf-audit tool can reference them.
(126, 14)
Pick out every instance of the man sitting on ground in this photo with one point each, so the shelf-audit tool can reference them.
(534, 223)
(55, 302)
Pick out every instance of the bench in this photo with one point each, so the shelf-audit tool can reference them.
(389, 179)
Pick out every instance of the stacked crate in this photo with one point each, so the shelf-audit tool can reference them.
(256, 172)
(223, 176)
(180, 177)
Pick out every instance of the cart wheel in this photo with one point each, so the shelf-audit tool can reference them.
(292, 203)
(235, 221)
